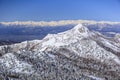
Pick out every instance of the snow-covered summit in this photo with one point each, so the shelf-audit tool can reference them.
(67, 37)
(80, 28)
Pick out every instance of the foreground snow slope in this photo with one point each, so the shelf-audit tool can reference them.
(76, 54)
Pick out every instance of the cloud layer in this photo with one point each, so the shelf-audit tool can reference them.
(55, 23)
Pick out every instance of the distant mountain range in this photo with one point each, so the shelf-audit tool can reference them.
(14, 32)
(78, 53)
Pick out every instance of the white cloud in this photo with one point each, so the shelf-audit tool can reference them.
(54, 23)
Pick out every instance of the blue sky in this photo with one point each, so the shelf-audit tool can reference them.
(49, 10)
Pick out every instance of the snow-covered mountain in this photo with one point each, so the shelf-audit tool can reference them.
(76, 54)
(14, 32)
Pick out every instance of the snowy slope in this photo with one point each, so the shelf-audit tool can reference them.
(78, 54)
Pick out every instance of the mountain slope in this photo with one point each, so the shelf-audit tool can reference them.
(76, 54)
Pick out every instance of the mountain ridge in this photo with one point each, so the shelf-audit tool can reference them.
(74, 54)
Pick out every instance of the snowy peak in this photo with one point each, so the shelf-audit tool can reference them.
(80, 28)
